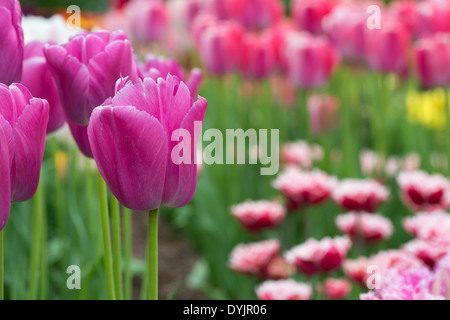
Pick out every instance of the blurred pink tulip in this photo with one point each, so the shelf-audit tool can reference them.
(308, 14)
(221, 47)
(257, 60)
(421, 191)
(302, 188)
(337, 289)
(87, 68)
(427, 251)
(356, 269)
(433, 227)
(315, 256)
(131, 140)
(11, 41)
(38, 79)
(256, 14)
(387, 48)
(323, 113)
(366, 226)
(23, 124)
(310, 61)
(258, 215)
(284, 290)
(360, 195)
(394, 259)
(345, 27)
(432, 59)
(156, 67)
(146, 20)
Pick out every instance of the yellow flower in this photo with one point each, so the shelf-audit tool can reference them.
(61, 164)
(427, 108)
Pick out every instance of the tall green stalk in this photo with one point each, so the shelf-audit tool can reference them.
(103, 198)
(117, 255)
(36, 245)
(152, 254)
(127, 242)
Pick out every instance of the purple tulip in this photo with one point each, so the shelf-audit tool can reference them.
(38, 79)
(86, 69)
(11, 41)
(131, 139)
(156, 67)
(23, 123)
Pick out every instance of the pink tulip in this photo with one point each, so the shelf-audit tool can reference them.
(257, 60)
(413, 284)
(257, 215)
(11, 41)
(410, 13)
(23, 123)
(394, 259)
(337, 289)
(427, 251)
(86, 70)
(345, 27)
(200, 24)
(156, 67)
(38, 79)
(300, 154)
(430, 226)
(255, 14)
(323, 113)
(220, 47)
(309, 61)
(284, 290)
(308, 14)
(421, 191)
(132, 143)
(304, 188)
(253, 258)
(360, 195)
(369, 227)
(356, 269)
(315, 256)
(387, 47)
(436, 14)
(432, 59)
(147, 20)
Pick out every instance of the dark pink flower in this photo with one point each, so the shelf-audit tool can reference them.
(315, 256)
(132, 140)
(370, 227)
(257, 215)
(308, 14)
(23, 124)
(337, 289)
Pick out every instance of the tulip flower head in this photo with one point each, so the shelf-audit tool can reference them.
(11, 41)
(23, 124)
(284, 290)
(369, 227)
(257, 215)
(356, 269)
(131, 138)
(337, 289)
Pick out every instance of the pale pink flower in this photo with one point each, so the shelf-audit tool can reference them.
(442, 276)
(284, 290)
(356, 269)
(422, 191)
(425, 221)
(257, 215)
(304, 188)
(370, 227)
(301, 154)
(315, 256)
(337, 289)
(427, 251)
(360, 195)
(412, 284)
(371, 162)
(254, 258)
(323, 111)
(395, 259)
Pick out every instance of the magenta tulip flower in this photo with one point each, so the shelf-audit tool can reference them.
(147, 20)
(23, 124)
(86, 70)
(156, 67)
(11, 41)
(309, 61)
(131, 137)
(258, 58)
(38, 79)
(308, 14)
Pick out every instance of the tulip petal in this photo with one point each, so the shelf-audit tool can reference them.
(130, 148)
(181, 179)
(72, 80)
(29, 138)
(11, 54)
(80, 135)
(5, 186)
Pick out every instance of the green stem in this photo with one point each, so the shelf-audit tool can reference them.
(44, 257)
(106, 237)
(153, 254)
(36, 245)
(127, 225)
(116, 247)
(2, 268)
